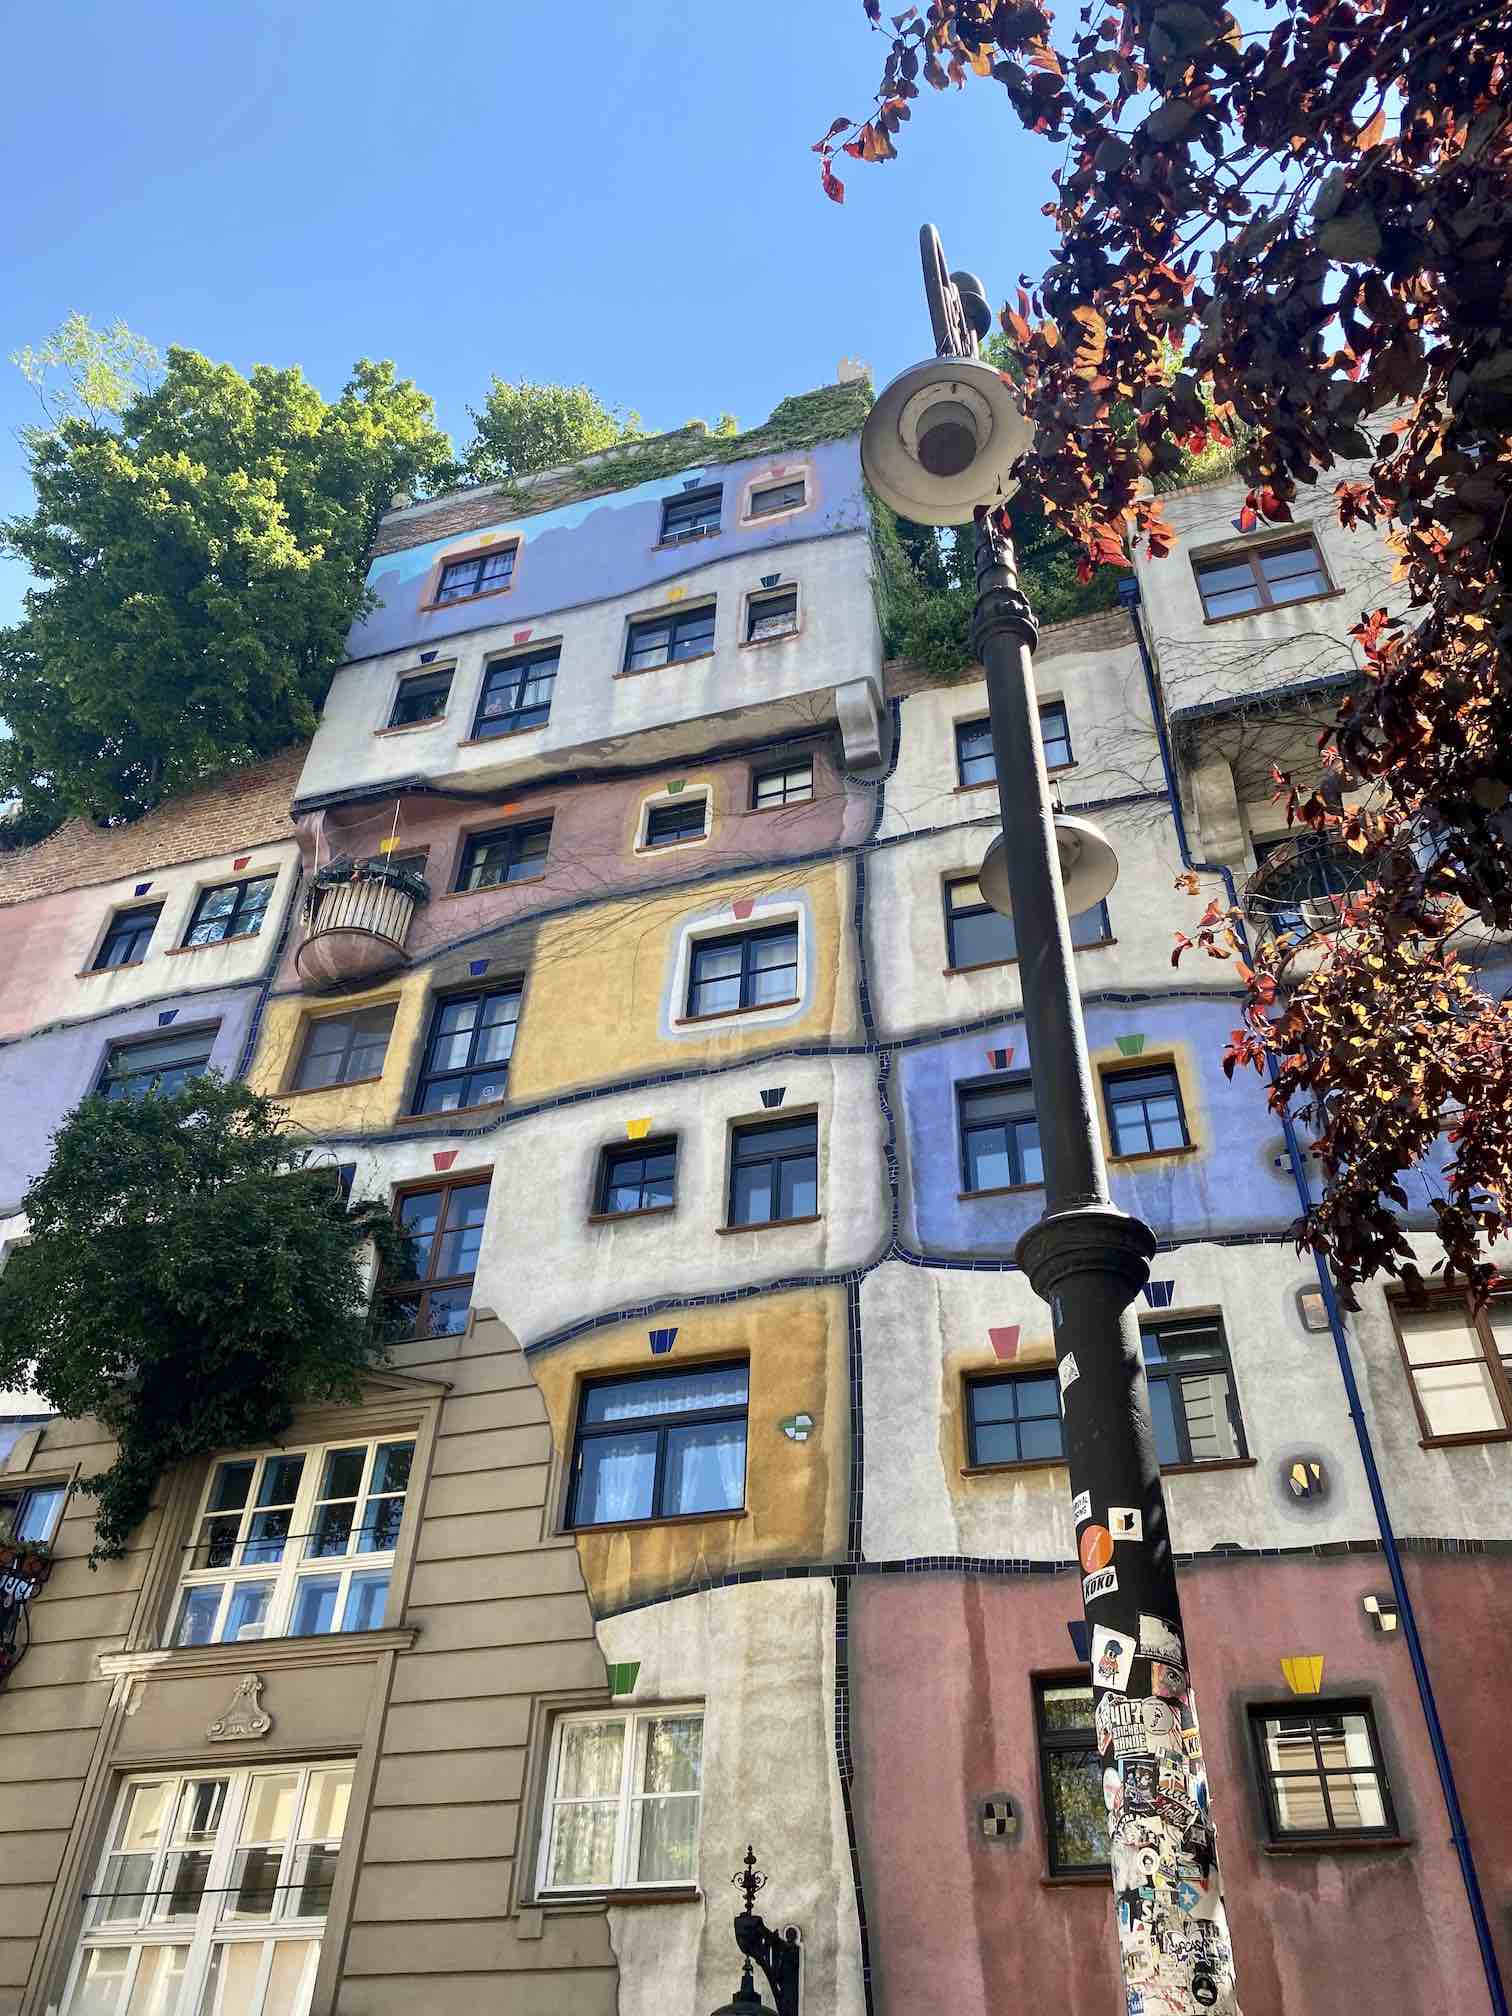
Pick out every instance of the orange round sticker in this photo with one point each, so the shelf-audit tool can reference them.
(1096, 1548)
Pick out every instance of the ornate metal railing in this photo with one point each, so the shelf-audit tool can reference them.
(24, 1567)
(1301, 890)
(357, 918)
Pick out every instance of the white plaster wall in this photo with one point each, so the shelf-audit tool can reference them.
(762, 1659)
(543, 1265)
(738, 691)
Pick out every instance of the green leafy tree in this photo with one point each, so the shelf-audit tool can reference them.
(200, 552)
(524, 428)
(189, 1282)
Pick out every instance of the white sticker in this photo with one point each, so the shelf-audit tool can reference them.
(1160, 1640)
(1124, 1523)
(1081, 1507)
(1103, 1583)
(1112, 1656)
(1070, 1371)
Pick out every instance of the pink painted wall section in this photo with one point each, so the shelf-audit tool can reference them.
(595, 827)
(941, 1672)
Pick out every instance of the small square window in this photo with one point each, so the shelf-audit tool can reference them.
(660, 1445)
(773, 615)
(1000, 1144)
(774, 1172)
(1261, 577)
(623, 1801)
(1145, 1113)
(509, 854)
(682, 819)
(479, 574)
(232, 910)
(774, 497)
(127, 937)
(422, 698)
(1071, 1777)
(692, 514)
(638, 1176)
(669, 638)
(748, 969)
(516, 694)
(1322, 1772)
(157, 1064)
(783, 784)
(340, 1049)
(1014, 1417)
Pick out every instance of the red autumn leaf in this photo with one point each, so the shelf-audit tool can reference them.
(834, 188)
(1371, 135)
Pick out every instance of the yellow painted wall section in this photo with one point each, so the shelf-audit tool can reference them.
(795, 1506)
(342, 1109)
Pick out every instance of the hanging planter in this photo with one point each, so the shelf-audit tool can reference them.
(357, 916)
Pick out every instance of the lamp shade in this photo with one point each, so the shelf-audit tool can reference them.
(942, 439)
(1088, 865)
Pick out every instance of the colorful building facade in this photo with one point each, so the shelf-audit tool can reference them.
(623, 932)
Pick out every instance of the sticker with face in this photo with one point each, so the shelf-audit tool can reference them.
(1160, 1640)
(1140, 1783)
(1112, 1654)
(1169, 1682)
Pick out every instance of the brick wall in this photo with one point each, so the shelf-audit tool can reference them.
(238, 810)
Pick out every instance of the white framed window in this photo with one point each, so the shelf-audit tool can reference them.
(294, 1543)
(32, 1513)
(211, 1894)
(623, 1794)
(674, 819)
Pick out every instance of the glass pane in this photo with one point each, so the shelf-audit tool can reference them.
(1040, 1441)
(123, 1890)
(315, 1874)
(1065, 1707)
(270, 1809)
(247, 1612)
(1459, 1399)
(254, 1884)
(380, 1526)
(591, 1759)
(231, 1985)
(1079, 1815)
(280, 1484)
(751, 1194)
(1089, 927)
(798, 1183)
(1356, 1800)
(183, 1886)
(979, 938)
(582, 1845)
(146, 1811)
(366, 1597)
(315, 1606)
(617, 1479)
(997, 1442)
(100, 1981)
(988, 1166)
(292, 1977)
(343, 1472)
(326, 1803)
(998, 1102)
(1232, 602)
(159, 1978)
(201, 1804)
(1442, 1330)
(232, 1483)
(332, 1531)
(671, 1393)
(446, 1312)
(1163, 1410)
(465, 1213)
(705, 1468)
(770, 952)
(1299, 1804)
(391, 1466)
(1220, 576)
(668, 1845)
(1204, 1401)
(197, 1613)
(671, 1758)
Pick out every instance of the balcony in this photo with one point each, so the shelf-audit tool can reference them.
(357, 916)
(1298, 894)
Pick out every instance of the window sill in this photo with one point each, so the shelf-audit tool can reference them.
(1465, 1441)
(782, 637)
(767, 1225)
(624, 1217)
(1059, 1462)
(1156, 1154)
(641, 1525)
(413, 727)
(488, 888)
(1217, 1463)
(504, 735)
(212, 944)
(1275, 608)
(126, 966)
(786, 806)
(456, 1113)
(646, 850)
(667, 665)
(340, 1085)
(1082, 1879)
(1011, 1469)
(724, 1014)
(688, 539)
(464, 601)
(640, 1893)
(990, 784)
(186, 1662)
(1334, 1844)
(991, 965)
(1003, 1190)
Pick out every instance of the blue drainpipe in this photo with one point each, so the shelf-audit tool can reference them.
(1128, 595)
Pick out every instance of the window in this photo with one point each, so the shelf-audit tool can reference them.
(1296, 879)
(422, 698)
(683, 819)
(1192, 1392)
(978, 935)
(1459, 1365)
(692, 514)
(755, 969)
(1145, 1114)
(234, 910)
(623, 1801)
(1071, 1778)
(975, 762)
(663, 640)
(785, 784)
(1321, 1771)
(774, 1172)
(660, 1446)
(774, 615)
(466, 1061)
(445, 1224)
(339, 1049)
(479, 574)
(212, 1893)
(777, 497)
(642, 1177)
(1261, 577)
(516, 694)
(127, 936)
(1000, 1144)
(1014, 1418)
(157, 1064)
(509, 854)
(294, 1544)
(33, 1514)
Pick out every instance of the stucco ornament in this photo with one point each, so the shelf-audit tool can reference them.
(245, 1718)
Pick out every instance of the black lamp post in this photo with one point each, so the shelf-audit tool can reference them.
(939, 446)
(778, 1955)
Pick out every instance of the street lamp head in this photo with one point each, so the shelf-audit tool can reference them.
(943, 438)
(1088, 865)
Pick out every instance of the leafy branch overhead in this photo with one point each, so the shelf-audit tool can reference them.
(190, 1282)
(1317, 216)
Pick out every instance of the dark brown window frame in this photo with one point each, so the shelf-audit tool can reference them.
(431, 599)
(1480, 1324)
(1251, 553)
(422, 1287)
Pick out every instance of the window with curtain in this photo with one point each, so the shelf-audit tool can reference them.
(664, 640)
(341, 1049)
(749, 969)
(692, 513)
(623, 1801)
(467, 1053)
(516, 693)
(478, 574)
(1459, 1364)
(1322, 1771)
(157, 1064)
(508, 854)
(660, 1445)
(784, 784)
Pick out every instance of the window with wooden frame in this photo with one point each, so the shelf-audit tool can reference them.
(623, 1800)
(747, 969)
(422, 697)
(212, 1893)
(1071, 1777)
(782, 784)
(294, 1543)
(978, 935)
(467, 1051)
(1192, 1397)
(771, 615)
(475, 574)
(999, 1135)
(516, 693)
(1458, 1362)
(508, 854)
(232, 910)
(444, 1223)
(1267, 576)
(774, 1171)
(1145, 1111)
(769, 498)
(678, 821)
(127, 936)
(669, 638)
(343, 1049)
(1014, 1417)
(636, 1176)
(156, 1064)
(692, 514)
(1322, 1772)
(660, 1445)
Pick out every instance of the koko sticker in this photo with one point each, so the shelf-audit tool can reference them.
(1124, 1523)
(1070, 1371)
(1081, 1507)
(1112, 1656)
(1103, 1583)
(1160, 1640)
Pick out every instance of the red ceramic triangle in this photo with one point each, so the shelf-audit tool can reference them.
(743, 906)
(1005, 1342)
(444, 1157)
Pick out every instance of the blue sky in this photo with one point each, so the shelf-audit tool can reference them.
(616, 193)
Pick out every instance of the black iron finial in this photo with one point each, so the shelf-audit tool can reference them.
(750, 1879)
